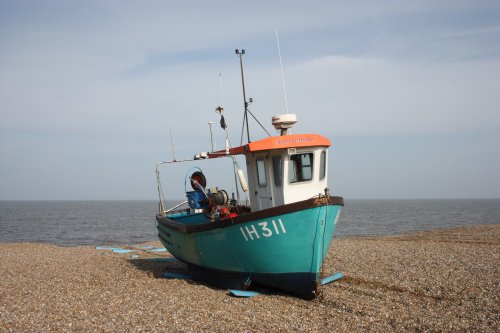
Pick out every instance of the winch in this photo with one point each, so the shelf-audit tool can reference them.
(203, 198)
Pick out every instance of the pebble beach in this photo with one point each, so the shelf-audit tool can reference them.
(435, 281)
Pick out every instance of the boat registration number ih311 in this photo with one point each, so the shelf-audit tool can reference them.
(250, 232)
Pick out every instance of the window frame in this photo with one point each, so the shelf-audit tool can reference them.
(297, 167)
(263, 169)
(322, 165)
(277, 170)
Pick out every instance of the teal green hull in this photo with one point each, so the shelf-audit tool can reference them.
(290, 245)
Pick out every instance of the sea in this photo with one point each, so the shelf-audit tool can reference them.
(75, 223)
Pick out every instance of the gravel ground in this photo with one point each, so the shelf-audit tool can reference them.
(445, 280)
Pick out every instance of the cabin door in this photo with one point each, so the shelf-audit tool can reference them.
(263, 191)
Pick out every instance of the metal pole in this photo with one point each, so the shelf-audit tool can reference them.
(211, 135)
(245, 103)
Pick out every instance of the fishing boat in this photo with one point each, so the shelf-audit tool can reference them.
(279, 236)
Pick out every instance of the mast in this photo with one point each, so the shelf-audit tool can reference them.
(240, 54)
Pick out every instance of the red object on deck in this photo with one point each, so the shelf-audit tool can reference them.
(224, 213)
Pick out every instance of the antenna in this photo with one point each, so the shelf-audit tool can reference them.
(172, 144)
(221, 90)
(282, 73)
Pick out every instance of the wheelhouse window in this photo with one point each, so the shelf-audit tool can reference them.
(300, 168)
(261, 173)
(322, 165)
(277, 170)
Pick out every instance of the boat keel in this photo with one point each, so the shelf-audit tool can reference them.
(220, 279)
(302, 285)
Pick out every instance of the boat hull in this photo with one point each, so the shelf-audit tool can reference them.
(282, 247)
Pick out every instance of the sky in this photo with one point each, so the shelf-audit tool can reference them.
(91, 92)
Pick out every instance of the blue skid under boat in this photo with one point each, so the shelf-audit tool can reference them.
(279, 236)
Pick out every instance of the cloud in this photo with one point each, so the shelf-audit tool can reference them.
(364, 96)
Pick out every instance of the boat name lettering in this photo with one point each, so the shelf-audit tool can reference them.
(295, 140)
(263, 229)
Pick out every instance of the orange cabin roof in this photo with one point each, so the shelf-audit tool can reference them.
(278, 142)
